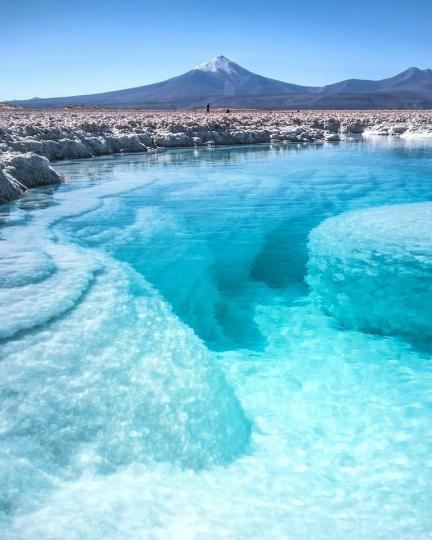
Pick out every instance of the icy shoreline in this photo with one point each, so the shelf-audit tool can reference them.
(28, 139)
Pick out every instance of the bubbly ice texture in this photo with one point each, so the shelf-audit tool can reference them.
(117, 418)
(372, 269)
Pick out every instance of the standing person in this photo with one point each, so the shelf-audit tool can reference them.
(208, 107)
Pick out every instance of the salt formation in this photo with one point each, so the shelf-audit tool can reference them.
(73, 134)
(104, 374)
(337, 416)
(140, 385)
(372, 269)
(18, 172)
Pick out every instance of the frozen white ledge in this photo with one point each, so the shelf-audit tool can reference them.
(372, 269)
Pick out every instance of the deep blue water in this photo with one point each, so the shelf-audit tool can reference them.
(165, 371)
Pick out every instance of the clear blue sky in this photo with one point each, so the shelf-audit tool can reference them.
(66, 47)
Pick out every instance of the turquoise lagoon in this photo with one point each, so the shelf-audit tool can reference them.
(167, 373)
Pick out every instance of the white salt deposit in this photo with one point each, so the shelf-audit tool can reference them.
(371, 268)
(59, 134)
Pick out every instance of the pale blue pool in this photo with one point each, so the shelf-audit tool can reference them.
(166, 374)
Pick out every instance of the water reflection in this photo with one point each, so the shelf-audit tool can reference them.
(42, 197)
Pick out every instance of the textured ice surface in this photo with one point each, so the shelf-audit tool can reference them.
(372, 269)
(118, 422)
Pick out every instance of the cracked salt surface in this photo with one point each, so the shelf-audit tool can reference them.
(196, 389)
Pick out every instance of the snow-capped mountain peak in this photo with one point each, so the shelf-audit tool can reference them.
(227, 84)
(219, 63)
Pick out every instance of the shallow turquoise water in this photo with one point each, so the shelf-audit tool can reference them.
(166, 374)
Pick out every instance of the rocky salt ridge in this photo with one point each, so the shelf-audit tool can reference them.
(19, 172)
(28, 139)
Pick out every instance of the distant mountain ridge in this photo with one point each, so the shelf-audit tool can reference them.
(224, 83)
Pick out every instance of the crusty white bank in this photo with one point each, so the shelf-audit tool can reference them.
(69, 134)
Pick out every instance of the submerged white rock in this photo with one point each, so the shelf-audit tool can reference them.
(372, 269)
(105, 374)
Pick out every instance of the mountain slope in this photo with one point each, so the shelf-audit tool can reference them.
(218, 78)
(226, 84)
(410, 80)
